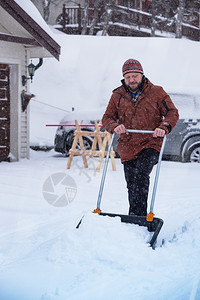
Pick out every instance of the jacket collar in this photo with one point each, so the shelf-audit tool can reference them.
(123, 92)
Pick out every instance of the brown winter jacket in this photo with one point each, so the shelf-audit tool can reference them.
(153, 109)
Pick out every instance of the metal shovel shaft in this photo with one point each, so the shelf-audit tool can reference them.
(104, 172)
(106, 165)
(157, 175)
(158, 165)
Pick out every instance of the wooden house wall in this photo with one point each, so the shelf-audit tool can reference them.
(17, 57)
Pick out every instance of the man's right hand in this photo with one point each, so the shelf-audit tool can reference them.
(120, 129)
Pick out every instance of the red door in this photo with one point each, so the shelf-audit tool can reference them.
(4, 113)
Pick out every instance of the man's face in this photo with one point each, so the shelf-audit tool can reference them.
(133, 80)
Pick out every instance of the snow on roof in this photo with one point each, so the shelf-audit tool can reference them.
(26, 14)
(33, 12)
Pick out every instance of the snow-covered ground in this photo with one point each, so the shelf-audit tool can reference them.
(42, 254)
(44, 257)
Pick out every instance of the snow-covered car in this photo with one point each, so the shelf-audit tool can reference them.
(183, 143)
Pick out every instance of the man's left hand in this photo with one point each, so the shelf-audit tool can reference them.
(158, 132)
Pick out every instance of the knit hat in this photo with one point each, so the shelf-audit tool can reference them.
(132, 65)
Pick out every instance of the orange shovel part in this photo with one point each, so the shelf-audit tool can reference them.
(150, 216)
(97, 211)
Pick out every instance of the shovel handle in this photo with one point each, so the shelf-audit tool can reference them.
(139, 131)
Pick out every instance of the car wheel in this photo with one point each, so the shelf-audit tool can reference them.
(193, 155)
(67, 143)
(87, 142)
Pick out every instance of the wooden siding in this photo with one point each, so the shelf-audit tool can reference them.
(17, 57)
(4, 113)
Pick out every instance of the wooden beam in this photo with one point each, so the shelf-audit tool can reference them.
(18, 39)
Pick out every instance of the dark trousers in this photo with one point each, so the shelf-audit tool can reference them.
(137, 173)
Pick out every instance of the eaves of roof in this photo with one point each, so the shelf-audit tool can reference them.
(38, 33)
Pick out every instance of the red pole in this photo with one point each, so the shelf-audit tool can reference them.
(73, 125)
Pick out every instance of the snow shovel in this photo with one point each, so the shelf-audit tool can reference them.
(152, 224)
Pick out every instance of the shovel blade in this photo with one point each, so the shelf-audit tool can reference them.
(153, 226)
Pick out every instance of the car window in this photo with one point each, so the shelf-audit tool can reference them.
(187, 105)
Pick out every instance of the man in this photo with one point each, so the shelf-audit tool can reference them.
(138, 104)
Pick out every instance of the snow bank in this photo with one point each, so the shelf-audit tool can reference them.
(90, 68)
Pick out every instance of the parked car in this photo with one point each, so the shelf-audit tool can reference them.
(182, 144)
(65, 134)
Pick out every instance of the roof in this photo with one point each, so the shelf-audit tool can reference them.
(41, 36)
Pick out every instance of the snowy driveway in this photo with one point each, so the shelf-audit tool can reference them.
(44, 257)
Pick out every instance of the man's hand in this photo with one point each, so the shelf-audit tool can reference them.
(120, 129)
(158, 132)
